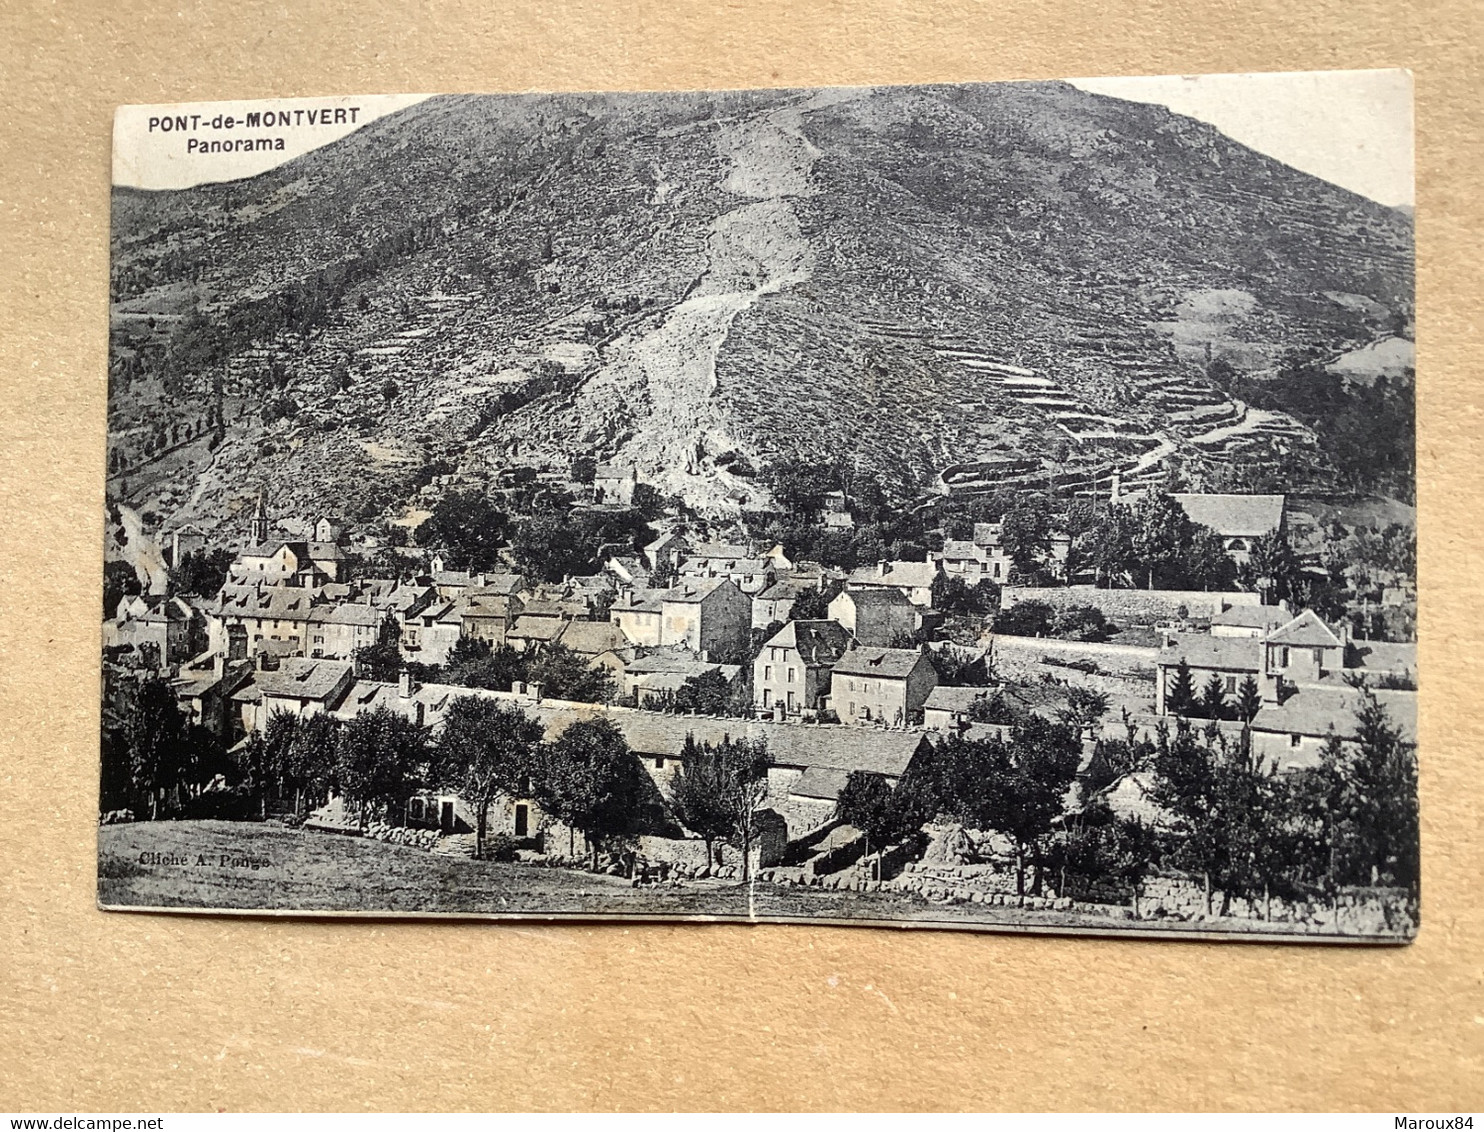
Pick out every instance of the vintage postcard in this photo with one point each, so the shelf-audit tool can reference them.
(976, 506)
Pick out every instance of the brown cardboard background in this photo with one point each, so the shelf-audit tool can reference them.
(120, 1012)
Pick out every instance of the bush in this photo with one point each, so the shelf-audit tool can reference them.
(500, 847)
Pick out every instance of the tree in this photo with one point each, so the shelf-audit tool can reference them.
(1100, 845)
(389, 390)
(1213, 697)
(1085, 710)
(300, 753)
(701, 795)
(584, 469)
(1272, 569)
(382, 759)
(468, 527)
(1025, 619)
(567, 675)
(1379, 827)
(120, 580)
(1025, 533)
(201, 573)
(1016, 787)
(812, 604)
(1249, 699)
(1162, 538)
(474, 663)
(487, 748)
(1186, 785)
(868, 802)
(383, 660)
(155, 736)
(548, 546)
(1180, 695)
(710, 693)
(593, 782)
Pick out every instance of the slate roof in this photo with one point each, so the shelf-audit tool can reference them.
(1253, 616)
(891, 663)
(875, 597)
(301, 678)
(593, 637)
(1305, 631)
(1239, 654)
(503, 584)
(694, 590)
(1313, 710)
(1382, 656)
(544, 629)
(945, 698)
(817, 642)
(897, 574)
(348, 614)
(1233, 516)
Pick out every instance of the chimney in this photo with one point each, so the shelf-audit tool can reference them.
(883, 568)
(535, 687)
(404, 684)
(219, 665)
(1117, 486)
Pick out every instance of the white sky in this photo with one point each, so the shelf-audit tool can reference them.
(147, 158)
(1352, 128)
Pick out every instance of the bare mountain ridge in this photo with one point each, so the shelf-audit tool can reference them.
(967, 282)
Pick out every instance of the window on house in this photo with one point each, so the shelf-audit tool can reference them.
(1295, 740)
(522, 820)
(1231, 685)
(791, 676)
(791, 706)
(852, 707)
(1319, 657)
(767, 672)
(659, 762)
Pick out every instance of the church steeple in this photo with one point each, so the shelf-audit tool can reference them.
(258, 529)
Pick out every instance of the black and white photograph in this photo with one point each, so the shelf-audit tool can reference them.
(977, 506)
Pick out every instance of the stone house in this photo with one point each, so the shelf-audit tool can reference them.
(638, 616)
(614, 484)
(336, 631)
(1237, 519)
(880, 617)
(301, 686)
(791, 675)
(489, 617)
(882, 686)
(916, 581)
(170, 624)
(708, 616)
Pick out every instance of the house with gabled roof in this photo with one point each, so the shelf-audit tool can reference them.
(1293, 734)
(791, 674)
(707, 615)
(299, 685)
(336, 631)
(916, 581)
(1302, 650)
(1236, 519)
(882, 686)
(875, 616)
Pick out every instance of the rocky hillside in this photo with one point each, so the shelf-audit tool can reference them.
(953, 287)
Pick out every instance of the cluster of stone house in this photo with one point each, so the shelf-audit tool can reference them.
(853, 690)
(1306, 673)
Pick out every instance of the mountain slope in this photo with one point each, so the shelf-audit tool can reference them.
(950, 286)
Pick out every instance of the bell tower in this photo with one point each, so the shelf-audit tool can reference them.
(258, 529)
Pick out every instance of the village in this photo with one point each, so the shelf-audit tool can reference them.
(822, 697)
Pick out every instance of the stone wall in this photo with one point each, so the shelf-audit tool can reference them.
(1131, 607)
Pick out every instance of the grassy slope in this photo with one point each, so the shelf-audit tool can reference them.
(317, 872)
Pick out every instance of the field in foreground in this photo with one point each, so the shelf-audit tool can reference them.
(249, 866)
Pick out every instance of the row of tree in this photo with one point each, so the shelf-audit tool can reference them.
(1230, 819)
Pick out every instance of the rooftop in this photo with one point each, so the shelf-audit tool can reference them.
(1234, 515)
(893, 663)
